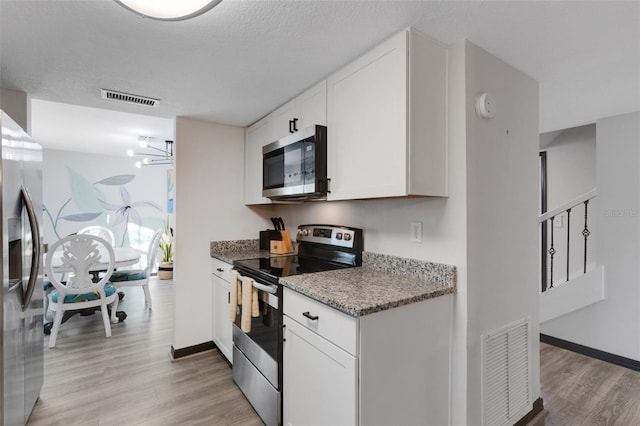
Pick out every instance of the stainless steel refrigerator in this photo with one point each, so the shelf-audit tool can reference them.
(22, 295)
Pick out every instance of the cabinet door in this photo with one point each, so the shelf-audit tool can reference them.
(319, 380)
(221, 323)
(311, 106)
(256, 137)
(307, 109)
(281, 118)
(367, 124)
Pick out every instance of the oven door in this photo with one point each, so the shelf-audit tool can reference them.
(257, 354)
(261, 344)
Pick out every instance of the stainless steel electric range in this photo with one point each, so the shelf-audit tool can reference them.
(257, 354)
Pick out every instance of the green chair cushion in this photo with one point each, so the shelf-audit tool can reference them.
(46, 285)
(128, 275)
(84, 297)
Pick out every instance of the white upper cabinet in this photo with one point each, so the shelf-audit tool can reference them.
(256, 136)
(305, 110)
(386, 121)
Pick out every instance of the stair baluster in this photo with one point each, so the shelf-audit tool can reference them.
(585, 233)
(552, 252)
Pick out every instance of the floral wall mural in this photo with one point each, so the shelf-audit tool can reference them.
(88, 189)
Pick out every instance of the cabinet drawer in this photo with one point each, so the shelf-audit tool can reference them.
(335, 326)
(221, 269)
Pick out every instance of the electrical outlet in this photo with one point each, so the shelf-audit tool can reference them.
(416, 232)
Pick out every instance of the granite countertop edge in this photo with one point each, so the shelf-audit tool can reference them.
(383, 282)
(359, 312)
(231, 250)
(404, 280)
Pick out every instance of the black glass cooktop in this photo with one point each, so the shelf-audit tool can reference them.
(276, 267)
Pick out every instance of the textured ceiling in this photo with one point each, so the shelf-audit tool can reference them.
(242, 59)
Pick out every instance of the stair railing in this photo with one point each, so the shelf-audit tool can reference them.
(551, 250)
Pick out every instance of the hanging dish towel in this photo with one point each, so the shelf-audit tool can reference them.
(247, 292)
(255, 306)
(233, 296)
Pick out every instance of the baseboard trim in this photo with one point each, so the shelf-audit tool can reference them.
(190, 350)
(629, 363)
(536, 409)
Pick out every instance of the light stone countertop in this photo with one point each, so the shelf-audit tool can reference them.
(228, 251)
(383, 282)
(365, 290)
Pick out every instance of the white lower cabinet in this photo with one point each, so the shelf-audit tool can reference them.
(387, 368)
(319, 380)
(222, 334)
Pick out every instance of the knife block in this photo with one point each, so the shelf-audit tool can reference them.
(283, 246)
(267, 236)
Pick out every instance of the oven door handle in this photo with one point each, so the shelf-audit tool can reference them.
(266, 288)
(271, 289)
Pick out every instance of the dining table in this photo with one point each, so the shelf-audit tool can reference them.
(123, 256)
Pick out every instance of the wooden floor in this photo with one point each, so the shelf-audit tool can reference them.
(578, 390)
(129, 379)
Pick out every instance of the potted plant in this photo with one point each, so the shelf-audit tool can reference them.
(165, 270)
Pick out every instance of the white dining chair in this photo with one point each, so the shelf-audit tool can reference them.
(99, 231)
(139, 277)
(79, 255)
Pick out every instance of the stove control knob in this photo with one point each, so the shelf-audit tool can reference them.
(339, 235)
(305, 232)
(347, 237)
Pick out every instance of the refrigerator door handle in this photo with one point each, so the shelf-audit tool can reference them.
(35, 246)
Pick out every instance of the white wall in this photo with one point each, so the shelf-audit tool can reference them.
(74, 182)
(487, 227)
(209, 206)
(613, 325)
(502, 212)
(571, 164)
(16, 104)
(571, 172)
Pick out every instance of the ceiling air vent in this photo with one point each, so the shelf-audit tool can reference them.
(129, 98)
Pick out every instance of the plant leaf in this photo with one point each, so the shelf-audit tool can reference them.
(117, 180)
(81, 217)
(84, 194)
(109, 206)
(124, 194)
(137, 204)
(134, 217)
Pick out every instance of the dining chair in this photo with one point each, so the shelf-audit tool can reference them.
(139, 277)
(80, 254)
(99, 231)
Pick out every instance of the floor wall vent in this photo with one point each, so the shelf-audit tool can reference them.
(506, 372)
(129, 98)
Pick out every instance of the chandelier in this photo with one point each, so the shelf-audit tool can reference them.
(157, 157)
(168, 10)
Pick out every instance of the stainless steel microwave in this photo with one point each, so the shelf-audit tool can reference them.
(295, 167)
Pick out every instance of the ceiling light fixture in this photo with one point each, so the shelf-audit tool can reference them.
(168, 10)
(165, 158)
